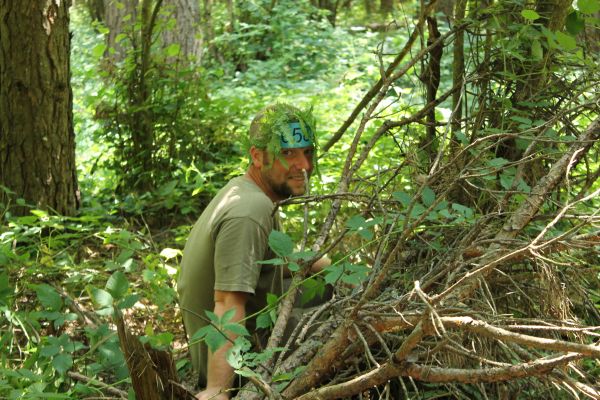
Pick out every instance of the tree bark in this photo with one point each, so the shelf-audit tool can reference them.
(37, 140)
(186, 14)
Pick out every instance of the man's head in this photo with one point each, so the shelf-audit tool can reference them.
(282, 147)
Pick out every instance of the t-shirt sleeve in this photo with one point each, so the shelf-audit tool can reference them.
(239, 244)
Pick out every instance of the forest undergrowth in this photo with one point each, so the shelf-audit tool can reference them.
(458, 201)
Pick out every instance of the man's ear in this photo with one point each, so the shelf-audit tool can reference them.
(258, 157)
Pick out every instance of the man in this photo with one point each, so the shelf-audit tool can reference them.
(220, 269)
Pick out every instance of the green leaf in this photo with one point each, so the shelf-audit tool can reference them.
(49, 297)
(212, 316)
(272, 299)
(403, 198)
(462, 138)
(294, 267)
(173, 50)
(101, 297)
(98, 50)
(588, 6)
(129, 301)
(281, 243)
(574, 24)
(62, 363)
(428, 196)
(302, 255)
(214, 339)
(537, 53)
(117, 285)
(311, 288)
(567, 42)
(50, 350)
(506, 179)
(530, 15)
(333, 273)
(236, 329)
(497, 162)
(263, 321)
(227, 316)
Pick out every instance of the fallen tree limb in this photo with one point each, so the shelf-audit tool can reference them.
(390, 370)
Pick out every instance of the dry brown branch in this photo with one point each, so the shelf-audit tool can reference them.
(94, 382)
(434, 374)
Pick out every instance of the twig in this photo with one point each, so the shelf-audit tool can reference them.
(103, 386)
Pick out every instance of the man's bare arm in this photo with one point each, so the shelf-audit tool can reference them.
(220, 373)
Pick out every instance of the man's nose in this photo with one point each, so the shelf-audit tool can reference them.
(303, 161)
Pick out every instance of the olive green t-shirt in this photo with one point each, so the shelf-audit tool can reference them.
(221, 253)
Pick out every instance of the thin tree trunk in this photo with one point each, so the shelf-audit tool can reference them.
(37, 140)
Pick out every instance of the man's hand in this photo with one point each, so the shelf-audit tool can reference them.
(212, 393)
(320, 264)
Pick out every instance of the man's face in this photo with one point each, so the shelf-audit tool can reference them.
(285, 174)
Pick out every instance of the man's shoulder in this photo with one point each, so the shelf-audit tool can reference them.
(241, 197)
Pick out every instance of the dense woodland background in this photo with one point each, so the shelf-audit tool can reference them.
(457, 193)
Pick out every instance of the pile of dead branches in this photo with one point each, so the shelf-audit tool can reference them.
(495, 304)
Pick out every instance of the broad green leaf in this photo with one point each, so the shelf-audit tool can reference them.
(62, 363)
(264, 321)
(356, 222)
(117, 285)
(227, 316)
(462, 138)
(129, 301)
(302, 255)
(294, 267)
(311, 288)
(101, 297)
(234, 358)
(201, 333)
(236, 329)
(574, 24)
(50, 350)
(214, 339)
(506, 179)
(333, 273)
(281, 243)
(272, 299)
(173, 50)
(247, 373)
(212, 316)
(537, 53)
(417, 210)
(49, 297)
(530, 15)
(588, 6)
(428, 196)
(403, 198)
(567, 42)
(98, 50)
(497, 162)
(522, 120)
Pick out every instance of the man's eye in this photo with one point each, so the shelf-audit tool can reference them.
(286, 153)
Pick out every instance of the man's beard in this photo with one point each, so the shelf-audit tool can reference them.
(283, 190)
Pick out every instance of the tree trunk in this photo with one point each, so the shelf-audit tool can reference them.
(116, 19)
(386, 7)
(37, 140)
(185, 33)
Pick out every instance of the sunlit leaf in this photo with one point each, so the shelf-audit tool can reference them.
(530, 15)
(117, 285)
(281, 243)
